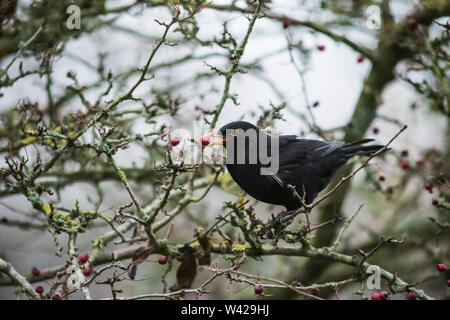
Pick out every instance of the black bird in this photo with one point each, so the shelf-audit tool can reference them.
(303, 163)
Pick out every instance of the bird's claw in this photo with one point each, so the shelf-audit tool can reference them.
(284, 219)
(277, 224)
(260, 236)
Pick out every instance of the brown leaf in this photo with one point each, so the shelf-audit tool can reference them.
(186, 271)
(205, 252)
(139, 255)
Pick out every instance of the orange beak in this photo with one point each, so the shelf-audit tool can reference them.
(217, 138)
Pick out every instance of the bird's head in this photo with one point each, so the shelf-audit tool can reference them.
(234, 129)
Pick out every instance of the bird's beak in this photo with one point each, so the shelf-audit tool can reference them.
(214, 138)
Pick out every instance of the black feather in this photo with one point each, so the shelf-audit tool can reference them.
(307, 164)
(355, 148)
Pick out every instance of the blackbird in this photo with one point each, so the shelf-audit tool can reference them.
(309, 165)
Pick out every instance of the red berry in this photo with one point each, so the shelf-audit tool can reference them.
(35, 272)
(405, 153)
(56, 296)
(204, 141)
(39, 289)
(162, 260)
(420, 162)
(286, 23)
(315, 292)
(361, 58)
(87, 272)
(381, 177)
(429, 187)
(375, 296)
(375, 130)
(174, 141)
(321, 47)
(441, 267)
(404, 164)
(259, 289)
(83, 258)
(412, 296)
(384, 295)
(435, 202)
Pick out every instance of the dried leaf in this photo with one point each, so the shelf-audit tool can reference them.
(205, 252)
(140, 254)
(186, 271)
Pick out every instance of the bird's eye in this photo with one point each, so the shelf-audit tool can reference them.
(235, 132)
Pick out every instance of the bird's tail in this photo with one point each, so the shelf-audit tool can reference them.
(357, 149)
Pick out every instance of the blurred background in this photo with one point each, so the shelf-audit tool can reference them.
(340, 70)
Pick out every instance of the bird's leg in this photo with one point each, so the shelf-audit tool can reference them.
(285, 218)
(266, 231)
(278, 223)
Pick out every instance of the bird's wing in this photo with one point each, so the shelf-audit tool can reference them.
(296, 154)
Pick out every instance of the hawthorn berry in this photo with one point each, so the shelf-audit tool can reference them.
(35, 271)
(375, 296)
(384, 295)
(56, 296)
(381, 177)
(375, 130)
(259, 289)
(412, 296)
(87, 272)
(441, 267)
(162, 260)
(204, 141)
(83, 258)
(435, 202)
(174, 142)
(315, 292)
(404, 164)
(420, 162)
(39, 289)
(361, 58)
(428, 186)
(286, 23)
(321, 47)
(405, 153)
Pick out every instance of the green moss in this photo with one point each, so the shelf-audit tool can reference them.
(199, 230)
(240, 247)
(47, 209)
(122, 174)
(28, 140)
(99, 243)
(195, 245)
(242, 223)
